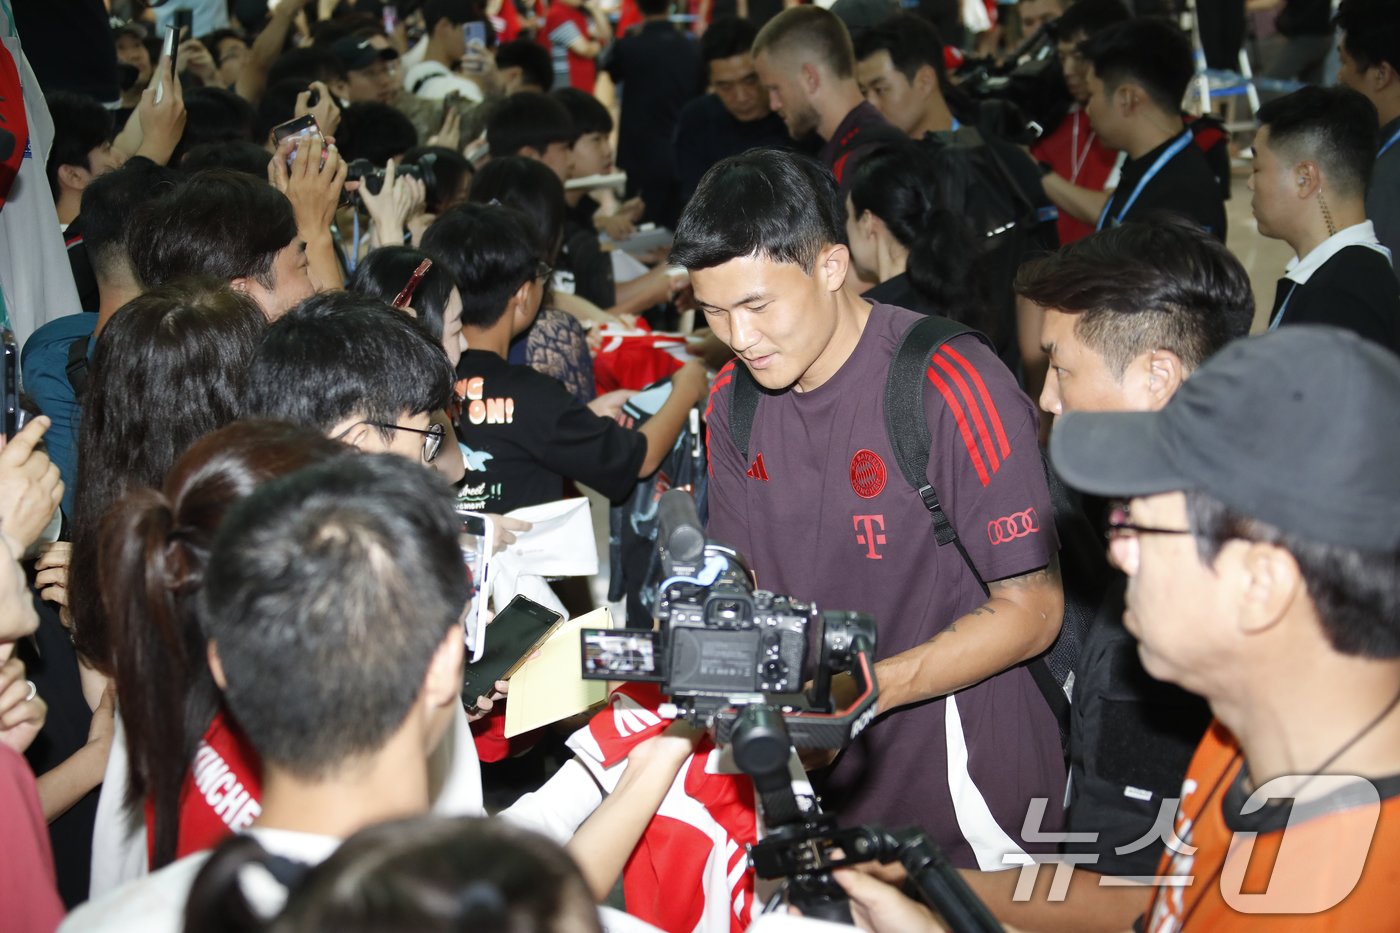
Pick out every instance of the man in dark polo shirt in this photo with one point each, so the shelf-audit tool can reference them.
(1313, 156)
(1137, 76)
(965, 740)
(1370, 64)
(734, 117)
(807, 65)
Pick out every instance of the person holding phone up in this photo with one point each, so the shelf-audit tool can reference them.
(456, 38)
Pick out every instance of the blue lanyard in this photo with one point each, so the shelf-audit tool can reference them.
(1278, 318)
(1172, 151)
(957, 125)
(1394, 138)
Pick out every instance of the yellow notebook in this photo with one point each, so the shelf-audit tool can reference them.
(550, 686)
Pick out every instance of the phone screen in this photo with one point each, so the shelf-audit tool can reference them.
(476, 537)
(391, 17)
(296, 128)
(510, 638)
(9, 384)
(475, 34)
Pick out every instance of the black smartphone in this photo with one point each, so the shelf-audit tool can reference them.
(511, 637)
(183, 18)
(9, 385)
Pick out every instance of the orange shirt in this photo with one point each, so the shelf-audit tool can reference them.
(1336, 868)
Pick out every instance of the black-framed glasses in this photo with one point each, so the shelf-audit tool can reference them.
(1118, 525)
(432, 437)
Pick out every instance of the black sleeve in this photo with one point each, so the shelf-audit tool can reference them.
(589, 448)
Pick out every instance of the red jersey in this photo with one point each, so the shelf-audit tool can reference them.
(1074, 151)
(1338, 869)
(563, 24)
(222, 792)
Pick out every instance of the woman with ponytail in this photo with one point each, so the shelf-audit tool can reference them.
(923, 256)
(153, 547)
(423, 874)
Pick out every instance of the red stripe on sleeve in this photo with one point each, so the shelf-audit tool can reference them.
(725, 376)
(992, 414)
(951, 398)
(972, 406)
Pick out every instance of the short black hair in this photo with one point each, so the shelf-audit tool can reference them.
(536, 67)
(586, 111)
(765, 203)
(374, 131)
(1173, 287)
(491, 250)
(1090, 17)
(1356, 592)
(220, 223)
(653, 7)
(530, 187)
(327, 594)
(80, 125)
(339, 355)
(815, 31)
(1335, 127)
(211, 41)
(109, 204)
(385, 271)
(456, 12)
(726, 37)
(246, 157)
(1151, 53)
(215, 115)
(911, 41)
(1372, 32)
(528, 119)
(307, 64)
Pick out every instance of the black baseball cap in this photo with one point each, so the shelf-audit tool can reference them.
(356, 53)
(1299, 428)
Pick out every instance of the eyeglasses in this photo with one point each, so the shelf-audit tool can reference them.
(406, 295)
(1119, 526)
(432, 437)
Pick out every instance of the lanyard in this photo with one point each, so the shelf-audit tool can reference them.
(1278, 318)
(1394, 138)
(957, 125)
(1172, 151)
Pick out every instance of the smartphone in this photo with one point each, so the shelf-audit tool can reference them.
(9, 386)
(475, 34)
(167, 54)
(512, 636)
(296, 128)
(391, 17)
(478, 531)
(183, 18)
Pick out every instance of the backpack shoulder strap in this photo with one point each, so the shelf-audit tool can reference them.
(906, 423)
(743, 402)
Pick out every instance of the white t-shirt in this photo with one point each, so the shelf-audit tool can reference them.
(434, 81)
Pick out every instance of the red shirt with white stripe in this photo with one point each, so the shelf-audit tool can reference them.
(222, 792)
(823, 513)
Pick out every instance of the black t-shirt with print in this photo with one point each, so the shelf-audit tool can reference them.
(525, 434)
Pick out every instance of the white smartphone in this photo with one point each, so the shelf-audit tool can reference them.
(167, 55)
(478, 532)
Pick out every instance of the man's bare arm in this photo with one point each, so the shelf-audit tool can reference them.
(1019, 620)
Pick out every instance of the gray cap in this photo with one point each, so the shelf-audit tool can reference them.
(1299, 428)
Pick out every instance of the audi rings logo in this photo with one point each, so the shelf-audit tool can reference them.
(1010, 527)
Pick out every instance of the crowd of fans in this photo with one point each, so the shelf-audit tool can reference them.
(288, 286)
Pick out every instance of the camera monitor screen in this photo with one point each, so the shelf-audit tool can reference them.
(621, 655)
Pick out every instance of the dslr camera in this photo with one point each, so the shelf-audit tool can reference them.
(720, 645)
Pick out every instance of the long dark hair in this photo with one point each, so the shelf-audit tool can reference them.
(385, 271)
(428, 874)
(167, 371)
(899, 185)
(154, 546)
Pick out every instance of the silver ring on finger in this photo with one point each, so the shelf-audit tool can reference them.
(33, 691)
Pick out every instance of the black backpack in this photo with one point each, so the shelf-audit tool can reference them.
(907, 428)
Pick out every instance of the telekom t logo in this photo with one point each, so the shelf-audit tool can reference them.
(870, 532)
